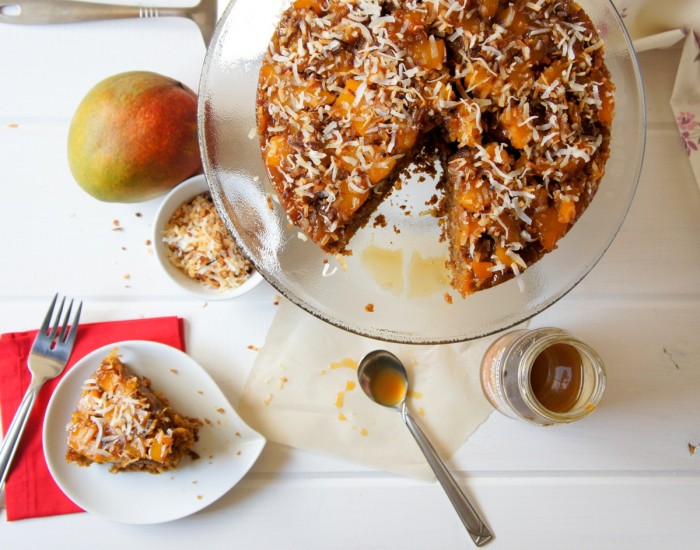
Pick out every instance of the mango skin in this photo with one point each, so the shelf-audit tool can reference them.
(134, 137)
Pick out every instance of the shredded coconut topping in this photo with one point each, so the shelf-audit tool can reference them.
(121, 421)
(519, 88)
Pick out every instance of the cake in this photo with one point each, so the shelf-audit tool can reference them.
(517, 92)
(121, 421)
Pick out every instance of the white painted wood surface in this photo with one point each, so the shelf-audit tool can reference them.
(621, 478)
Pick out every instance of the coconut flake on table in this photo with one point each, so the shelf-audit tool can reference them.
(198, 243)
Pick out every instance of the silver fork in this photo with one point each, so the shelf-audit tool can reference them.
(47, 359)
(41, 12)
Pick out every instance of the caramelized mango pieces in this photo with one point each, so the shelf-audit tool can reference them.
(463, 124)
(516, 127)
(428, 53)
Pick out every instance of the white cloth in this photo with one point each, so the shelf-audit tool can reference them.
(685, 101)
(660, 24)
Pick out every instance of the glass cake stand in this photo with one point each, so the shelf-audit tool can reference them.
(393, 287)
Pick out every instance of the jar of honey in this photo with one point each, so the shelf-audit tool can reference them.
(545, 376)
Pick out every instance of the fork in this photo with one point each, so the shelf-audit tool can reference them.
(39, 12)
(47, 359)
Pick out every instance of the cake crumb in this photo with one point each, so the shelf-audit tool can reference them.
(380, 221)
(369, 308)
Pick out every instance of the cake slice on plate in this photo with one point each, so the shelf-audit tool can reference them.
(121, 421)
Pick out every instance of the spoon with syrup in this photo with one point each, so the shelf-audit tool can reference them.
(384, 379)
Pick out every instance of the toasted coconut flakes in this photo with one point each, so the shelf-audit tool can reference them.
(327, 271)
(198, 244)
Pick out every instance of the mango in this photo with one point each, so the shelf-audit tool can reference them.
(134, 137)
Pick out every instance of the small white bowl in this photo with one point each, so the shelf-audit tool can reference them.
(184, 192)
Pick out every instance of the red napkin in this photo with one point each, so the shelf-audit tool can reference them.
(30, 491)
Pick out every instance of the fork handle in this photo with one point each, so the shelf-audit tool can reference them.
(39, 12)
(15, 431)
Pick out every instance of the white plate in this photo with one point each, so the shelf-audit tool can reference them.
(227, 446)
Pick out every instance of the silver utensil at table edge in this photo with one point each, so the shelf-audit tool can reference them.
(369, 367)
(48, 357)
(43, 12)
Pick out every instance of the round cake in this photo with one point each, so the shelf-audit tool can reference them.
(514, 94)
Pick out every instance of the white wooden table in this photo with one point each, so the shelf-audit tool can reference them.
(624, 477)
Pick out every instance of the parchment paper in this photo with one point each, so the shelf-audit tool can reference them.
(303, 392)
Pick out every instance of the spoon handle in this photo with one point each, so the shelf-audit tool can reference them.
(478, 530)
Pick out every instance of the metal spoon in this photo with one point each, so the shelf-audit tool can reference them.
(383, 378)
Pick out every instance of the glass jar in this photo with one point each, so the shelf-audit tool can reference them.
(545, 376)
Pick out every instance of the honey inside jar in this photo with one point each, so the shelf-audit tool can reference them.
(388, 387)
(556, 377)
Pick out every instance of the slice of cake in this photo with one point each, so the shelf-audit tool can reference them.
(530, 161)
(345, 92)
(121, 421)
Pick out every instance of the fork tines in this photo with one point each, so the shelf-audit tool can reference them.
(64, 335)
